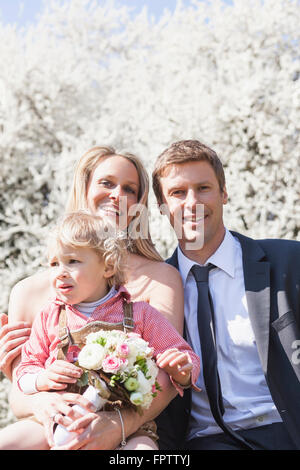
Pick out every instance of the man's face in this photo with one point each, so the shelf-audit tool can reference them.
(193, 196)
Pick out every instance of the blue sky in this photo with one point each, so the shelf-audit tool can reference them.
(23, 12)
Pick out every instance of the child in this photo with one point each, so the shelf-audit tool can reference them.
(87, 264)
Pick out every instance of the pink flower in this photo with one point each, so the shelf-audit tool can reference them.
(124, 362)
(111, 364)
(133, 335)
(123, 350)
(72, 354)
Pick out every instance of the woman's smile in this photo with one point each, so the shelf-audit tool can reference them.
(113, 188)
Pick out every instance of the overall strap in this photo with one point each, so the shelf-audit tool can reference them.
(128, 322)
(63, 334)
(66, 338)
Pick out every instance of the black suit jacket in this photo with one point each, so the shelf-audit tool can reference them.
(272, 284)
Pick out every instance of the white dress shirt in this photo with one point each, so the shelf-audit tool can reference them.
(246, 396)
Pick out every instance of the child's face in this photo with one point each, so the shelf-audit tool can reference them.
(78, 274)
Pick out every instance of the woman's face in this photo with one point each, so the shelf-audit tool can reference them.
(113, 188)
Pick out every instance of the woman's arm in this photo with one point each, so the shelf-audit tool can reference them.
(26, 299)
(44, 405)
(166, 295)
(105, 432)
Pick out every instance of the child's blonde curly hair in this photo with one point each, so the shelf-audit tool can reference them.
(81, 229)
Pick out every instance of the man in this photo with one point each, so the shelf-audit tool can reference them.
(250, 390)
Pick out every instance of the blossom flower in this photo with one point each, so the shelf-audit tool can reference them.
(91, 356)
(111, 364)
(72, 354)
(131, 384)
(136, 398)
(251, 123)
(123, 350)
(144, 385)
(126, 358)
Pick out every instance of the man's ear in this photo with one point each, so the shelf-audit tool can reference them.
(225, 195)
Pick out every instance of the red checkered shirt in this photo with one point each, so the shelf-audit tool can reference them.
(42, 347)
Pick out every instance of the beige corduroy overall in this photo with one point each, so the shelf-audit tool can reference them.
(77, 338)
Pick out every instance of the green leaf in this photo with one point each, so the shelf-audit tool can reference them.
(157, 386)
(101, 341)
(83, 380)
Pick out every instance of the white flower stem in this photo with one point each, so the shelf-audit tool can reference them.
(61, 435)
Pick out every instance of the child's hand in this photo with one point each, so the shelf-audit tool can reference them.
(58, 376)
(177, 364)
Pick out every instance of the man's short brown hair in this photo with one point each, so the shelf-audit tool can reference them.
(182, 152)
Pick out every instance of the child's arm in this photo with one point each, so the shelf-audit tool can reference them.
(33, 374)
(162, 336)
(177, 364)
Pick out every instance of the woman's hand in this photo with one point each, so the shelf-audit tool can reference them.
(95, 431)
(57, 407)
(103, 430)
(12, 337)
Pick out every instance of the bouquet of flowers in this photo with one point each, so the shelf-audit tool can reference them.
(124, 362)
(118, 367)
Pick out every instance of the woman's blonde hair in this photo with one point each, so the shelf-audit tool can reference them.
(84, 230)
(141, 245)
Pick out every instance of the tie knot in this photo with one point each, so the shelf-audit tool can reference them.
(200, 273)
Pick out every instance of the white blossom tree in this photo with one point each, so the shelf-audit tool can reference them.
(90, 73)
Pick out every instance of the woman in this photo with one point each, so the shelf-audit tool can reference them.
(101, 181)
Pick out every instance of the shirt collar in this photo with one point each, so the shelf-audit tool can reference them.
(119, 292)
(224, 258)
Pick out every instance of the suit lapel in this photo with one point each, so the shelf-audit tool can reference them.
(173, 260)
(257, 287)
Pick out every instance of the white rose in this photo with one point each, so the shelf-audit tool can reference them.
(136, 398)
(144, 384)
(91, 356)
(147, 400)
(93, 337)
(111, 336)
(152, 370)
(138, 344)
